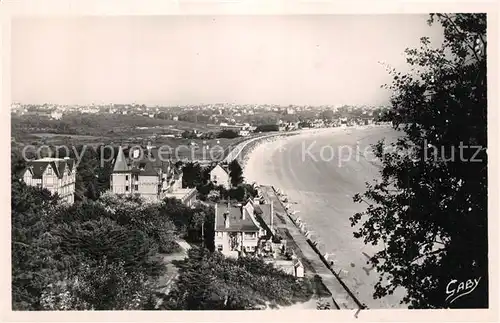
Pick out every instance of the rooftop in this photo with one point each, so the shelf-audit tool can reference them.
(236, 221)
(264, 211)
(150, 163)
(181, 193)
(38, 167)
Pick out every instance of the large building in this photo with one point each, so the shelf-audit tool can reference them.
(240, 229)
(58, 175)
(148, 175)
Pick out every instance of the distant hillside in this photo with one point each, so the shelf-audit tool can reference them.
(101, 125)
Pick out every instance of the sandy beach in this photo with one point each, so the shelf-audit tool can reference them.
(320, 170)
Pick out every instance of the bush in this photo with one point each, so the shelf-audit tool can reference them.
(209, 281)
(227, 133)
(267, 128)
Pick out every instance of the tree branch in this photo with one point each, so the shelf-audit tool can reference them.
(428, 254)
(460, 32)
(21, 244)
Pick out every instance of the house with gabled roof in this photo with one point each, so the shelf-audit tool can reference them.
(239, 228)
(237, 232)
(57, 175)
(220, 176)
(265, 214)
(150, 175)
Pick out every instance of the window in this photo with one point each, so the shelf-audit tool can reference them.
(126, 188)
(126, 177)
(250, 235)
(136, 187)
(49, 170)
(219, 247)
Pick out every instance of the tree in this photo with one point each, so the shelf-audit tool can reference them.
(63, 256)
(17, 163)
(267, 128)
(429, 210)
(327, 115)
(209, 281)
(227, 133)
(186, 134)
(35, 258)
(235, 173)
(240, 193)
(102, 285)
(192, 175)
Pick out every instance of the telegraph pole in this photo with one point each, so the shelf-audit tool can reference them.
(203, 232)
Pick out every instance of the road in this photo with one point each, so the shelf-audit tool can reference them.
(166, 282)
(236, 151)
(307, 253)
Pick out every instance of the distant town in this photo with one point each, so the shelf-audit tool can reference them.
(45, 121)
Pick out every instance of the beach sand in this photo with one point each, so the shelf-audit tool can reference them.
(320, 170)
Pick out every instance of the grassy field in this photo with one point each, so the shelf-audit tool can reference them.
(103, 126)
(181, 149)
(116, 129)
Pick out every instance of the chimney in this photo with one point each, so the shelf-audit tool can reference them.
(242, 208)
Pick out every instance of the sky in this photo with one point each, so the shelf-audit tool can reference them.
(176, 60)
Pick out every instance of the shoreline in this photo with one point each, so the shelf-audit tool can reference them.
(244, 154)
(314, 244)
(258, 155)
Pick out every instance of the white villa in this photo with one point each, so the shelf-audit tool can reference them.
(239, 229)
(58, 175)
(219, 176)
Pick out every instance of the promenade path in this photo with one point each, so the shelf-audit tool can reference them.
(165, 283)
(235, 153)
(307, 254)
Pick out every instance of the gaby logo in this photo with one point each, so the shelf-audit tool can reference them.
(456, 289)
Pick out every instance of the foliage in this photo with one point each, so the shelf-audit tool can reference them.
(235, 173)
(100, 124)
(35, 261)
(189, 134)
(304, 124)
(214, 195)
(429, 210)
(208, 135)
(196, 176)
(189, 222)
(89, 289)
(327, 115)
(267, 128)
(323, 305)
(240, 193)
(227, 133)
(209, 281)
(17, 164)
(193, 175)
(63, 256)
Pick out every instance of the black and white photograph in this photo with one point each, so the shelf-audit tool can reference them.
(274, 162)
